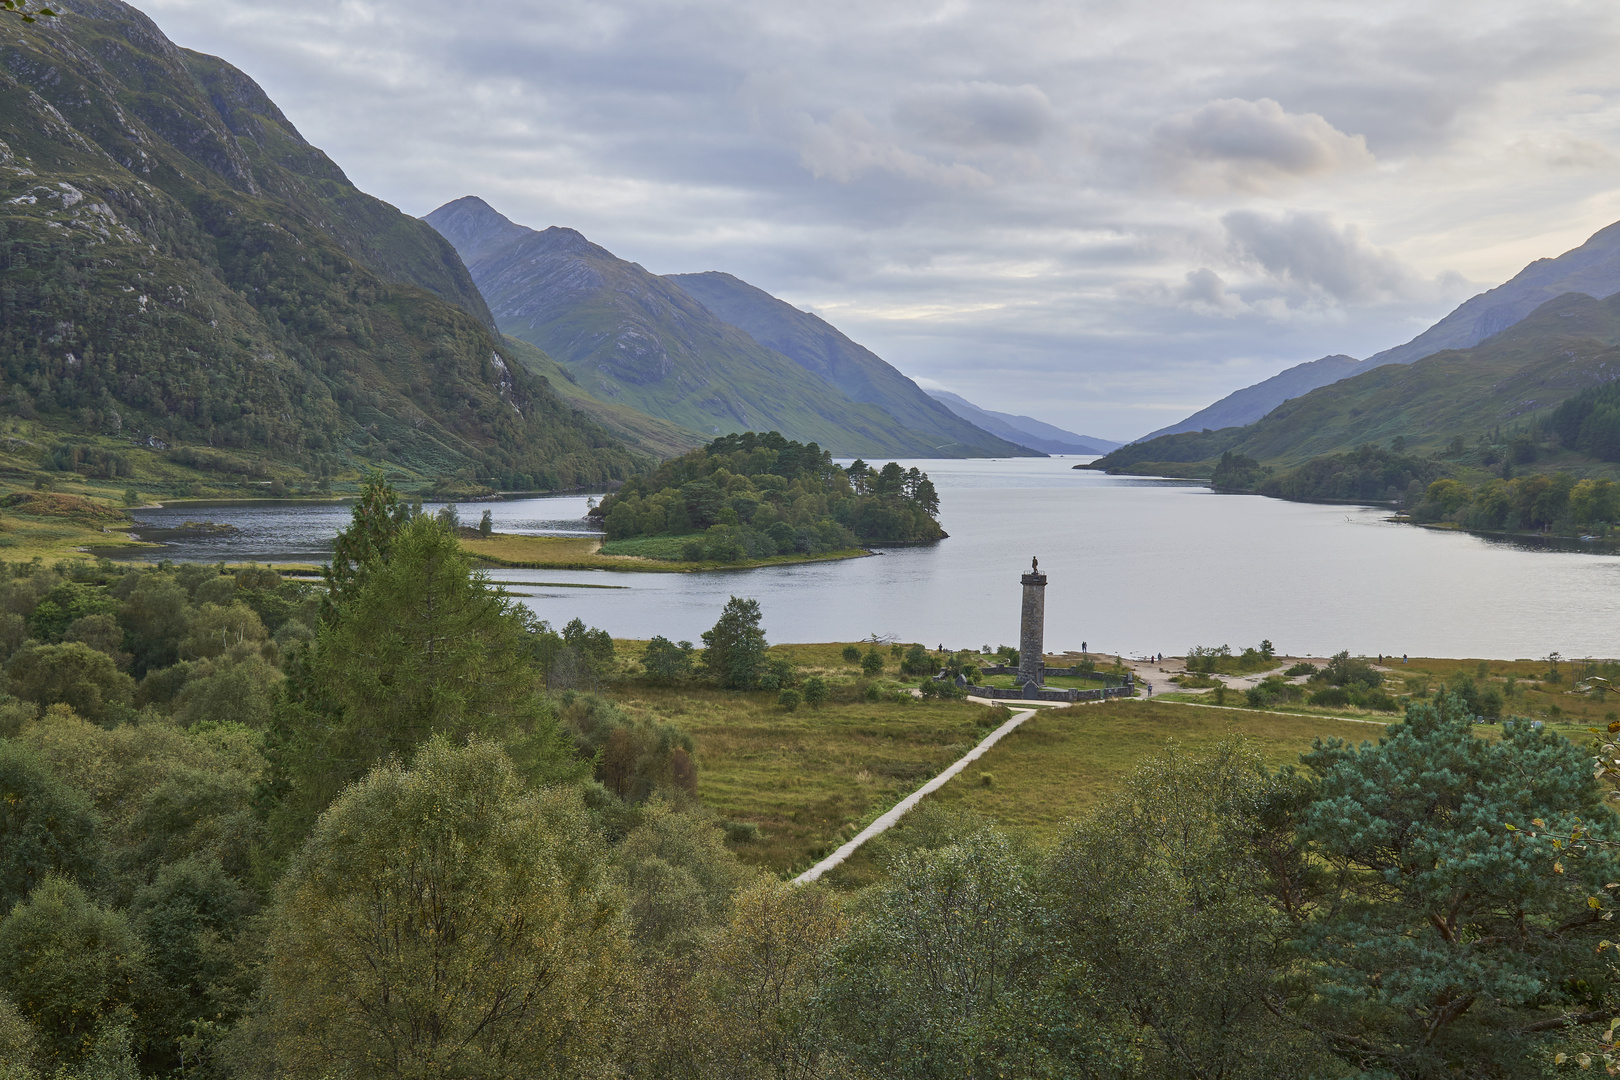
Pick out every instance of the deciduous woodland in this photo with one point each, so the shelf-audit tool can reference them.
(392, 826)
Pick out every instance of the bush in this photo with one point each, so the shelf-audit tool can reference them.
(872, 693)
(872, 663)
(1304, 667)
(788, 699)
(742, 832)
(852, 655)
(815, 692)
(917, 661)
(1332, 697)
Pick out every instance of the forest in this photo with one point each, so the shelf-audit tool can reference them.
(389, 825)
(756, 495)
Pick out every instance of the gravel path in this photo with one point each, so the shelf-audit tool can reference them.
(905, 804)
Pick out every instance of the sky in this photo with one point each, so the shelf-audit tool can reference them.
(1102, 214)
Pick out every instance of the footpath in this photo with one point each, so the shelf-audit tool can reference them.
(901, 808)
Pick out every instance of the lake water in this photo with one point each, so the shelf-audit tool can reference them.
(1133, 565)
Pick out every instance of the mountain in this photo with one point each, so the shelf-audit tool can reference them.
(1023, 429)
(188, 284)
(1593, 269)
(820, 348)
(1507, 381)
(1252, 402)
(633, 338)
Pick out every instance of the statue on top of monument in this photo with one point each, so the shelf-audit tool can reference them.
(1034, 565)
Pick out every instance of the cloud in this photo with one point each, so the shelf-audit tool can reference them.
(1204, 288)
(847, 144)
(977, 114)
(1561, 150)
(1113, 203)
(1251, 146)
(1308, 253)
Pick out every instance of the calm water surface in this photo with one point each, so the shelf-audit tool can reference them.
(1133, 566)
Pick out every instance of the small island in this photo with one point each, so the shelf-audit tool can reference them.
(752, 498)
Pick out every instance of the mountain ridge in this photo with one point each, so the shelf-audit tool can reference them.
(826, 352)
(1508, 381)
(1592, 268)
(631, 337)
(1033, 433)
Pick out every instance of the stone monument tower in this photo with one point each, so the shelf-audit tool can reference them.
(1032, 628)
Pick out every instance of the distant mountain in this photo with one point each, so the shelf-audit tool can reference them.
(1593, 269)
(1022, 429)
(820, 348)
(1565, 346)
(183, 270)
(633, 338)
(1252, 402)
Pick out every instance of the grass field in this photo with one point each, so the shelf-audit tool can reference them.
(809, 778)
(1061, 762)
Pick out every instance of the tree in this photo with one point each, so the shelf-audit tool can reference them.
(67, 965)
(46, 827)
(486, 524)
(940, 967)
(734, 650)
(678, 878)
(1157, 910)
(872, 663)
(757, 977)
(188, 918)
(445, 920)
(815, 691)
(377, 518)
(74, 674)
(1450, 941)
(665, 661)
(424, 647)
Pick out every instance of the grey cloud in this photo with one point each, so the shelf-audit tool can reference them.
(977, 114)
(1249, 145)
(1308, 251)
(1204, 286)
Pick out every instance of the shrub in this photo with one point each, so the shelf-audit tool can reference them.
(788, 699)
(742, 832)
(815, 692)
(872, 693)
(852, 655)
(1332, 696)
(872, 663)
(1304, 667)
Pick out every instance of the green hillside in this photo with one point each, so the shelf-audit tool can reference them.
(630, 337)
(1509, 382)
(824, 351)
(647, 434)
(182, 276)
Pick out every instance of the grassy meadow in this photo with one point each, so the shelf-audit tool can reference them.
(810, 778)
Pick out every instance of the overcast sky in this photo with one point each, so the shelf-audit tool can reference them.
(1105, 215)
